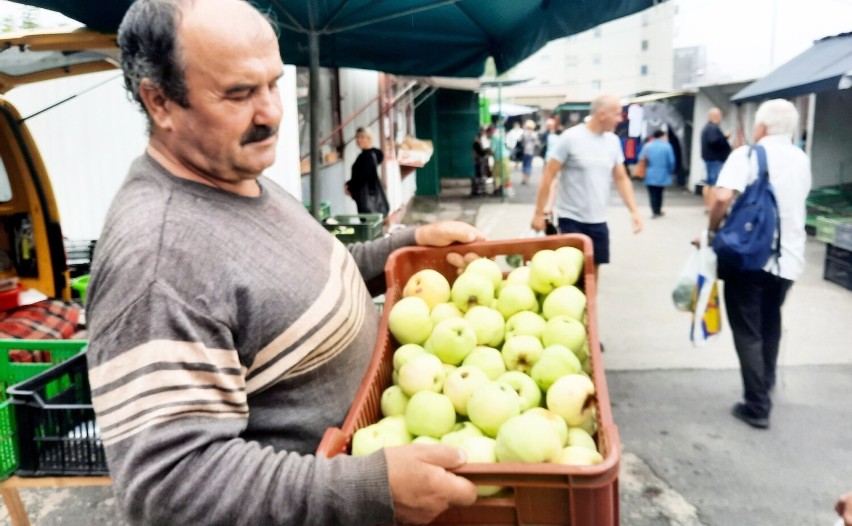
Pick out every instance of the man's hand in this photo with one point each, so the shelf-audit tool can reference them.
(636, 219)
(420, 484)
(461, 261)
(446, 233)
(844, 509)
(538, 223)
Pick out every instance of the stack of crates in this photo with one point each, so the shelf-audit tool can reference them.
(838, 256)
(354, 228)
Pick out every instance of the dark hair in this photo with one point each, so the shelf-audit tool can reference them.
(147, 38)
(659, 133)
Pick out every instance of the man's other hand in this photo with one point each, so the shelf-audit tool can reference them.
(844, 509)
(446, 233)
(636, 219)
(538, 222)
(420, 484)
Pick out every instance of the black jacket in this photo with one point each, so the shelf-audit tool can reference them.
(714, 144)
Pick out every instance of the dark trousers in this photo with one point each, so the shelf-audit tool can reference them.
(655, 195)
(753, 301)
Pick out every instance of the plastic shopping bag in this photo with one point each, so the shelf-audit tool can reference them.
(706, 309)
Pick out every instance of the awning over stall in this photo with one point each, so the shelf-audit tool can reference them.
(826, 66)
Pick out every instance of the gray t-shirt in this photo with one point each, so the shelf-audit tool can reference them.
(226, 334)
(585, 181)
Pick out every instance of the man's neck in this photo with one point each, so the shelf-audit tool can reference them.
(246, 188)
(594, 127)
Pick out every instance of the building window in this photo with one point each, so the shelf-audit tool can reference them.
(644, 45)
(643, 71)
(596, 84)
(596, 60)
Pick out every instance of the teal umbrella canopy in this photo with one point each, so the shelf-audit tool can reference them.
(406, 37)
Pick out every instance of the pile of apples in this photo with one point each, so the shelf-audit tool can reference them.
(497, 367)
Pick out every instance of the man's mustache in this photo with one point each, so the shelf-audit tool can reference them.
(258, 133)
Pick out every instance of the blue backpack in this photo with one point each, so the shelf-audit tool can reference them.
(747, 239)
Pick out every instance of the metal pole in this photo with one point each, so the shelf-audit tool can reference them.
(501, 124)
(313, 93)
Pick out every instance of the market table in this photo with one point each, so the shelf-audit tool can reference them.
(9, 490)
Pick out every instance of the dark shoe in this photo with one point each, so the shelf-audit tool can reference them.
(740, 411)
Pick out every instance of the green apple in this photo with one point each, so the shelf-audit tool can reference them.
(571, 397)
(548, 271)
(448, 370)
(405, 353)
(488, 360)
(574, 258)
(430, 414)
(374, 437)
(409, 320)
(488, 268)
(442, 311)
(481, 450)
(579, 437)
(492, 404)
(424, 372)
(555, 420)
(566, 301)
(567, 331)
(460, 384)
(516, 297)
(590, 422)
(488, 324)
(527, 438)
(471, 289)
(425, 439)
(525, 386)
(521, 352)
(396, 423)
(578, 456)
(461, 431)
(452, 340)
(525, 322)
(555, 362)
(393, 401)
(519, 275)
(429, 285)
(587, 363)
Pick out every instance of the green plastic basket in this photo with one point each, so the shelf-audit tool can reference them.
(354, 228)
(324, 211)
(80, 284)
(14, 372)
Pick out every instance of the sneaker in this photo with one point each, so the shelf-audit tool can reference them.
(741, 412)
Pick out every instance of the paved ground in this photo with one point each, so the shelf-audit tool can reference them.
(685, 460)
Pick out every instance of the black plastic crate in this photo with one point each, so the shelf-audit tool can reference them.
(838, 272)
(57, 433)
(838, 254)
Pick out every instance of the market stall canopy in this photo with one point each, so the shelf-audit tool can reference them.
(507, 109)
(407, 37)
(826, 66)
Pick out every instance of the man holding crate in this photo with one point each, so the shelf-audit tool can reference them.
(228, 329)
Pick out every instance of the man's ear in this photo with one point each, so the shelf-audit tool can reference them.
(159, 106)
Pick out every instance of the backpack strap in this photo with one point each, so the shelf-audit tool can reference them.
(763, 178)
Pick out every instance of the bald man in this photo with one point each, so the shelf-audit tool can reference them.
(714, 150)
(588, 160)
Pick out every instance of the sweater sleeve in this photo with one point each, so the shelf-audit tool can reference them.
(169, 392)
(371, 256)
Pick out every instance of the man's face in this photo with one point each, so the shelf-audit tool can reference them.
(232, 66)
(610, 116)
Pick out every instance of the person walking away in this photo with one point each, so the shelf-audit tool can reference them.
(365, 185)
(530, 143)
(228, 329)
(714, 150)
(513, 137)
(548, 136)
(660, 157)
(500, 154)
(753, 299)
(481, 169)
(588, 160)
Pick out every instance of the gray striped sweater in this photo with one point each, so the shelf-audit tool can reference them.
(227, 333)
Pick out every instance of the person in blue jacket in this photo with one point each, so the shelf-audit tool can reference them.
(658, 175)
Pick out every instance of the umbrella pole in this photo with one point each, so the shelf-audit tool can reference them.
(500, 122)
(313, 98)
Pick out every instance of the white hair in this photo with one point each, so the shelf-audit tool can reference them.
(779, 116)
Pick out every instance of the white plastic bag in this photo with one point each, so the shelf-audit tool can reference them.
(706, 309)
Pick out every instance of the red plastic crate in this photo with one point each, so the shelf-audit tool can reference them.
(543, 494)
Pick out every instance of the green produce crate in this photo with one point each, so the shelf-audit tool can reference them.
(825, 226)
(325, 209)
(353, 228)
(12, 373)
(80, 284)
